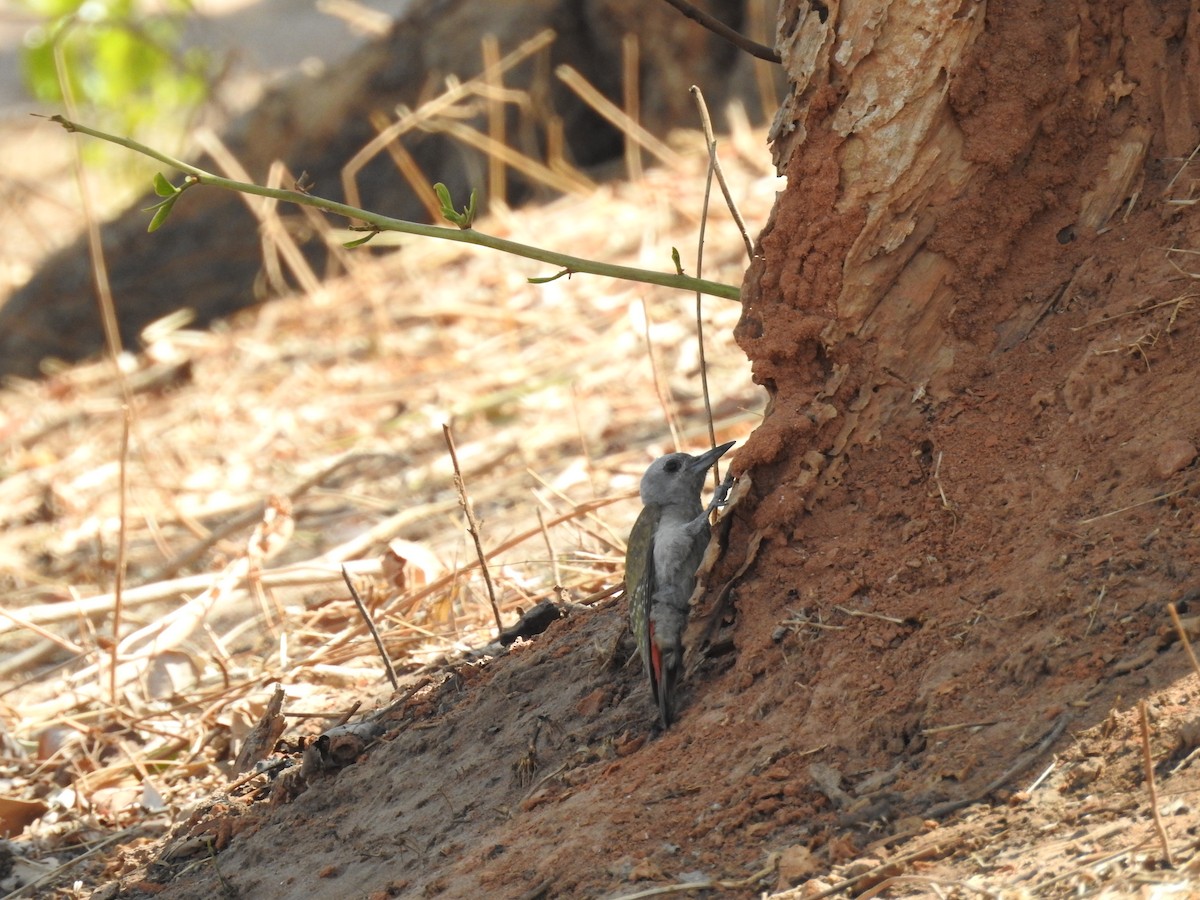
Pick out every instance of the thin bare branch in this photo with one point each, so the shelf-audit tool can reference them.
(720, 29)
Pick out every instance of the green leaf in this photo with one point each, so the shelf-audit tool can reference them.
(463, 219)
(469, 213)
(350, 245)
(162, 210)
(162, 187)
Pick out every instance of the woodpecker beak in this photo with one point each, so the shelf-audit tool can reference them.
(702, 462)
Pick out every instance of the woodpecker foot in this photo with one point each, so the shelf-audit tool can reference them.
(721, 494)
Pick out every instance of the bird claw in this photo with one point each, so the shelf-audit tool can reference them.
(721, 494)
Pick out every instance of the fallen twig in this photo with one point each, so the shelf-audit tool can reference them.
(1151, 788)
(366, 615)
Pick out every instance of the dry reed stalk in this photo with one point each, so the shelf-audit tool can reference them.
(610, 539)
(316, 571)
(58, 640)
(346, 262)
(409, 119)
(616, 116)
(572, 182)
(412, 599)
(1115, 512)
(551, 554)
(712, 167)
(112, 335)
(409, 168)
(497, 185)
(630, 87)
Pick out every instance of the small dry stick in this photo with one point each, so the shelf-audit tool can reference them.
(715, 163)
(1104, 320)
(112, 340)
(1183, 638)
(937, 480)
(869, 615)
(1093, 864)
(122, 541)
(472, 526)
(691, 887)
(362, 609)
(712, 432)
(1148, 761)
(1154, 499)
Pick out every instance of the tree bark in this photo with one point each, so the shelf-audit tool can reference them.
(948, 165)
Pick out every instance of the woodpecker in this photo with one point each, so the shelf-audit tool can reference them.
(664, 551)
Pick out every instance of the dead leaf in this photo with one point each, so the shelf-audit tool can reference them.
(16, 814)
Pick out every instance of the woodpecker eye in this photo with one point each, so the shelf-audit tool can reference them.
(672, 465)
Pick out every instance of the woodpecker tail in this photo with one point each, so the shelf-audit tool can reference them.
(668, 675)
(666, 658)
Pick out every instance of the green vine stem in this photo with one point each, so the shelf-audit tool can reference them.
(569, 265)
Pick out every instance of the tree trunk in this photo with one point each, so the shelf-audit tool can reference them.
(943, 311)
(949, 167)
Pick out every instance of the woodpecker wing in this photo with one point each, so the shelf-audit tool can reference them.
(640, 586)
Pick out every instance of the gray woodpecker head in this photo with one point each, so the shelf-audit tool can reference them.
(663, 553)
(678, 478)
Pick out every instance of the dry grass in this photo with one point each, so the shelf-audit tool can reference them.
(265, 453)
